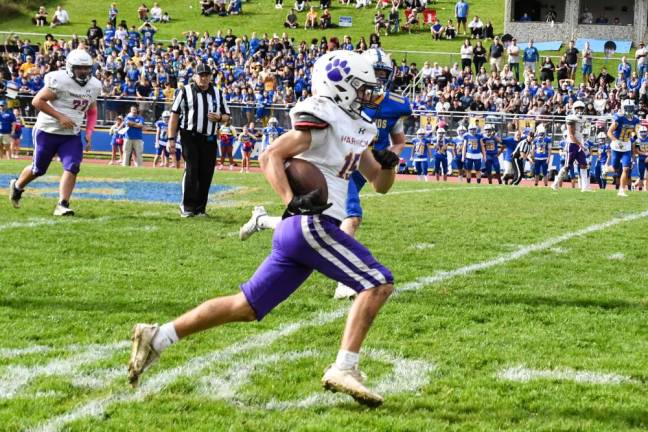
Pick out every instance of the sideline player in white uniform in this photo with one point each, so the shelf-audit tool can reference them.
(329, 130)
(576, 151)
(63, 103)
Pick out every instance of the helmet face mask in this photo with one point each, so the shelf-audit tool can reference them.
(628, 108)
(643, 132)
(601, 137)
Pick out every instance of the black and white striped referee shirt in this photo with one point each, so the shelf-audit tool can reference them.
(523, 146)
(192, 105)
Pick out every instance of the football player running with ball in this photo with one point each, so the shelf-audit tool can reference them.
(68, 97)
(330, 130)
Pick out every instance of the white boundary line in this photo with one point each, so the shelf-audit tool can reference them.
(523, 374)
(154, 384)
(427, 190)
(35, 222)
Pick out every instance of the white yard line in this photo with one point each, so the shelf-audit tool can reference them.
(35, 222)
(416, 191)
(523, 374)
(616, 256)
(155, 383)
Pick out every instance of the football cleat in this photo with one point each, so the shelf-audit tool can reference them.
(351, 382)
(622, 193)
(142, 353)
(252, 226)
(343, 292)
(63, 209)
(15, 194)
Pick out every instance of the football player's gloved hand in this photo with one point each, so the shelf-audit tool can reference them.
(305, 205)
(386, 158)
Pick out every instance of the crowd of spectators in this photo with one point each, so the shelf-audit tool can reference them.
(261, 70)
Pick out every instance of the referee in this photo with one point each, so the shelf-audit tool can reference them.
(522, 153)
(196, 112)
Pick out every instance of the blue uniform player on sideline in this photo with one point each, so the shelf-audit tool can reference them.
(421, 154)
(509, 143)
(391, 137)
(270, 133)
(602, 150)
(491, 143)
(441, 154)
(458, 151)
(473, 153)
(620, 133)
(541, 150)
(641, 145)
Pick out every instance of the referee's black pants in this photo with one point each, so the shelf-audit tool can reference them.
(199, 153)
(518, 169)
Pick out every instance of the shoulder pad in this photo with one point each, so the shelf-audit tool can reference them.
(401, 104)
(307, 121)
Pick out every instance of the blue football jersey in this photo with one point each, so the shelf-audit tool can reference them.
(625, 127)
(391, 109)
(509, 143)
(541, 148)
(473, 144)
(420, 151)
(270, 133)
(491, 145)
(164, 130)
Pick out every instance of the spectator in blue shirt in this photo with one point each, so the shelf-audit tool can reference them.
(134, 137)
(148, 32)
(624, 69)
(7, 128)
(531, 57)
(461, 12)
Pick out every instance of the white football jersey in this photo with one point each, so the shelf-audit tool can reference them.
(577, 121)
(72, 100)
(335, 150)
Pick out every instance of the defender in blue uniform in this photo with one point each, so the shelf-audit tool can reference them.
(270, 133)
(161, 139)
(421, 154)
(621, 134)
(541, 149)
(391, 137)
(440, 153)
(641, 150)
(509, 143)
(473, 153)
(492, 145)
(458, 150)
(601, 150)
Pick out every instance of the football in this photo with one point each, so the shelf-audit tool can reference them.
(305, 177)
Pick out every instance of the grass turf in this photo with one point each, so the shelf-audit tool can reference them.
(87, 279)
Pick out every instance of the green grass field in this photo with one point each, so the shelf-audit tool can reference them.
(559, 290)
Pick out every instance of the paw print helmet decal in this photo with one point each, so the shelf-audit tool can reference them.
(349, 80)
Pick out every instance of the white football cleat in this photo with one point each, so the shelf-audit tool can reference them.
(343, 292)
(622, 193)
(351, 382)
(63, 209)
(252, 226)
(555, 186)
(15, 194)
(142, 353)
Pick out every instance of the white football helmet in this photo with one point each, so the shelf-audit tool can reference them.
(382, 64)
(166, 115)
(643, 132)
(578, 108)
(78, 65)
(472, 128)
(601, 137)
(440, 132)
(461, 130)
(489, 130)
(540, 131)
(628, 108)
(348, 79)
(272, 121)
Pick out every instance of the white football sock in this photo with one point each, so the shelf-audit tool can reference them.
(347, 359)
(165, 336)
(268, 222)
(559, 176)
(584, 179)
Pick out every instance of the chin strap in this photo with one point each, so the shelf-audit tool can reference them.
(91, 120)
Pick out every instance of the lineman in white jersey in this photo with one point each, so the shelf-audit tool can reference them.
(328, 130)
(63, 103)
(576, 151)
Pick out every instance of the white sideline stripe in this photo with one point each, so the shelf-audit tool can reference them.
(422, 246)
(31, 223)
(523, 374)
(520, 253)
(415, 191)
(15, 377)
(558, 250)
(17, 352)
(195, 365)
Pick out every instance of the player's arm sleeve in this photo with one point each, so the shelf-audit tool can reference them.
(52, 84)
(307, 121)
